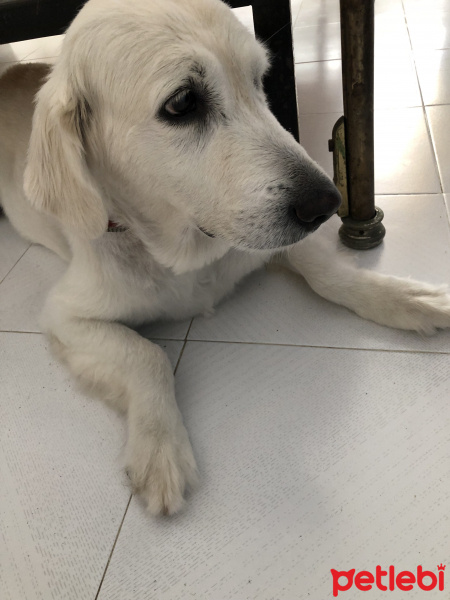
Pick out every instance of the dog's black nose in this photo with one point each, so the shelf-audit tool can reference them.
(317, 207)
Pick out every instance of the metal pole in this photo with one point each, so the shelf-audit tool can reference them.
(362, 228)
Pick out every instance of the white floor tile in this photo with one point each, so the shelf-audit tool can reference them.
(429, 29)
(63, 493)
(21, 50)
(408, 249)
(39, 48)
(295, 9)
(391, 35)
(165, 330)
(315, 131)
(279, 307)
(319, 85)
(434, 76)
(392, 8)
(245, 16)
(313, 13)
(320, 39)
(439, 117)
(172, 348)
(317, 42)
(24, 290)
(447, 204)
(7, 54)
(396, 84)
(309, 460)
(12, 247)
(421, 6)
(404, 158)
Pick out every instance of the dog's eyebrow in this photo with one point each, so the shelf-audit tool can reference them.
(198, 70)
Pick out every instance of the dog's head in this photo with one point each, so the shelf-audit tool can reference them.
(161, 102)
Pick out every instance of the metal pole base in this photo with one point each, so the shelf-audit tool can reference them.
(363, 235)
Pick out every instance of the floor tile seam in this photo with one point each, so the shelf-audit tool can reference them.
(166, 339)
(321, 347)
(26, 59)
(15, 264)
(308, 62)
(440, 104)
(304, 114)
(28, 55)
(294, 21)
(21, 332)
(409, 194)
(380, 109)
(159, 339)
(113, 547)
(183, 347)
(434, 148)
(425, 112)
(250, 343)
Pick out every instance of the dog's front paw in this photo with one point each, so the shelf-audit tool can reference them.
(160, 469)
(407, 304)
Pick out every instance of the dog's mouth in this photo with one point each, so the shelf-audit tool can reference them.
(311, 226)
(291, 234)
(211, 235)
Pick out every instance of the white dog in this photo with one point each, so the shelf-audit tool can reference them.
(153, 165)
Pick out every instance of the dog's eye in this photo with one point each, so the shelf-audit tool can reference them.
(181, 104)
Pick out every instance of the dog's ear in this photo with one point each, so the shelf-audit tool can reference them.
(57, 179)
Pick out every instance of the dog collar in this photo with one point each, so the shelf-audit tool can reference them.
(114, 227)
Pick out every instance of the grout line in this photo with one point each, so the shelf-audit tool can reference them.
(424, 110)
(385, 195)
(179, 358)
(113, 547)
(26, 332)
(162, 339)
(294, 20)
(276, 344)
(440, 104)
(28, 55)
(15, 264)
(184, 346)
(189, 329)
(308, 62)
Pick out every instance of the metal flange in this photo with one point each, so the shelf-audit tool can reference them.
(363, 235)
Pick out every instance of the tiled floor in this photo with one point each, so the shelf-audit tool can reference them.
(323, 441)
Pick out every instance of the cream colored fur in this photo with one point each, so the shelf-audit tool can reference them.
(96, 148)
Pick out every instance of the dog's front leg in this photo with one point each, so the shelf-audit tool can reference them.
(135, 376)
(387, 300)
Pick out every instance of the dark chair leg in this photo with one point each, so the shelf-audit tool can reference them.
(273, 26)
(362, 228)
(27, 19)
